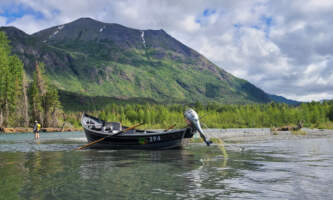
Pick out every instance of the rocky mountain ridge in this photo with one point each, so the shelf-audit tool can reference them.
(93, 58)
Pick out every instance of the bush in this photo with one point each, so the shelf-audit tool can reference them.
(330, 113)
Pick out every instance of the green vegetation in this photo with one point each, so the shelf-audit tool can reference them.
(11, 70)
(213, 115)
(17, 106)
(158, 79)
(44, 101)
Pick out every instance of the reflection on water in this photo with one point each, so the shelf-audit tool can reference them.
(51, 169)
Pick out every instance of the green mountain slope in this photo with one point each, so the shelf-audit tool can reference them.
(281, 99)
(102, 59)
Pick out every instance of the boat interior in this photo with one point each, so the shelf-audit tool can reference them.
(107, 127)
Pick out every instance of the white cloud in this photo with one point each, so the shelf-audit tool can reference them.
(284, 47)
(317, 5)
(189, 24)
(29, 23)
(2, 21)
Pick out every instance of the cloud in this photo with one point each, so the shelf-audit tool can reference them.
(190, 24)
(3, 20)
(283, 47)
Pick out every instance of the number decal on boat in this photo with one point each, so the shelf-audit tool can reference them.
(154, 139)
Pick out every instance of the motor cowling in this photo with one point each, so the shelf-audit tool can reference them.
(192, 119)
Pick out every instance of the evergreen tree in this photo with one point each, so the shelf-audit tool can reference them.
(11, 70)
(52, 107)
(44, 99)
(35, 100)
(25, 104)
(330, 113)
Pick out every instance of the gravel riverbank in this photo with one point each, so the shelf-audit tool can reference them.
(251, 134)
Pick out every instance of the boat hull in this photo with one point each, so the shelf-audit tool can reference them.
(162, 140)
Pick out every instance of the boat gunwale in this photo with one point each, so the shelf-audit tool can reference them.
(147, 134)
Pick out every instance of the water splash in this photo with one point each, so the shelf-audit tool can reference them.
(220, 145)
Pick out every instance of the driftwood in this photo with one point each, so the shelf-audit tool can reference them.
(16, 130)
(30, 130)
(290, 128)
(59, 129)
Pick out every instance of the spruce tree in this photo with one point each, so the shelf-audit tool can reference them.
(44, 99)
(11, 70)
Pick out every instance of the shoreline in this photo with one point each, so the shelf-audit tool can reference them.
(256, 134)
(42, 130)
(227, 135)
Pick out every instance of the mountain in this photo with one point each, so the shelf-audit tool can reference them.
(281, 99)
(93, 58)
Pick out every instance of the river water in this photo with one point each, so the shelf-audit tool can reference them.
(50, 168)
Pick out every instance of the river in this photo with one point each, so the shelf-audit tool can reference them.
(298, 168)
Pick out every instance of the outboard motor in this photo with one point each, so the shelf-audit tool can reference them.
(193, 120)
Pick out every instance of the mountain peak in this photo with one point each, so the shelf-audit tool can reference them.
(86, 20)
(86, 29)
(106, 59)
(90, 30)
(12, 30)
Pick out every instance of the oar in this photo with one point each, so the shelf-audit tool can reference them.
(171, 127)
(96, 141)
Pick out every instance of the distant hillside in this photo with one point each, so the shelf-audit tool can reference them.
(281, 99)
(93, 58)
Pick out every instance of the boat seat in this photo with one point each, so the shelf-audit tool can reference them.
(113, 126)
(96, 126)
(130, 131)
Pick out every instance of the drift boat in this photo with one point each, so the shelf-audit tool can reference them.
(112, 135)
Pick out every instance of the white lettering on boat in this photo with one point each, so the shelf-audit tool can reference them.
(154, 138)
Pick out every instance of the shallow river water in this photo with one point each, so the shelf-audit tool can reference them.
(50, 168)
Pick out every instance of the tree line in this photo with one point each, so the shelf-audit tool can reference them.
(215, 115)
(23, 101)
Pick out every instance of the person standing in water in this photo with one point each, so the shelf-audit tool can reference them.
(36, 129)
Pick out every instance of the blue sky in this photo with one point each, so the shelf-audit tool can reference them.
(12, 12)
(283, 47)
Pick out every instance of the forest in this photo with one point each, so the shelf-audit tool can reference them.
(24, 100)
(215, 115)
